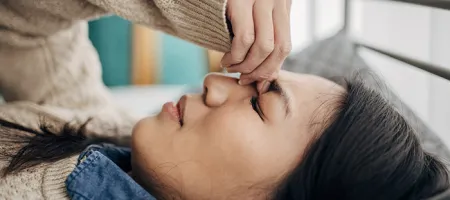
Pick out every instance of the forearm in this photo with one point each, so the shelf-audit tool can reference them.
(200, 21)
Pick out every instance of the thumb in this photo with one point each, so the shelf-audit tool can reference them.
(262, 86)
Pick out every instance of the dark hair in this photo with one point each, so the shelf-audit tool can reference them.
(25, 147)
(367, 151)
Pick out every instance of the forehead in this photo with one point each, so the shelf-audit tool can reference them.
(305, 86)
(312, 98)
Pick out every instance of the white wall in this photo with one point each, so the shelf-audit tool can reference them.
(300, 21)
(326, 13)
(439, 102)
(329, 17)
(396, 27)
(416, 31)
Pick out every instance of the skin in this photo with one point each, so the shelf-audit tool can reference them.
(262, 39)
(224, 147)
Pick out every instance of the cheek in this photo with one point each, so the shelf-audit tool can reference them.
(263, 150)
(241, 141)
(241, 117)
(234, 131)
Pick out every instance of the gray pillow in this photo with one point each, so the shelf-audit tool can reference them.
(337, 57)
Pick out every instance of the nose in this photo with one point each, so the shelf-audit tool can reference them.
(219, 89)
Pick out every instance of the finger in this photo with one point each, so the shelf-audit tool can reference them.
(273, 63)
(264, 43)
(241, 17)
(246, 79)
(225, 58)
(262, 86)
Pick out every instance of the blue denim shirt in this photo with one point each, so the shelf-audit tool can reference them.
(101, 174)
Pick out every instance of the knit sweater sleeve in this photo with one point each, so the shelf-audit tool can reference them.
(200, 21)
(46, 56)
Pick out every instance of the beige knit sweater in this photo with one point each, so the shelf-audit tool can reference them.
(50, 71)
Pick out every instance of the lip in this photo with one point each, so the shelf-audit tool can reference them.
(181, 107)
(176, 112)
(172, 111)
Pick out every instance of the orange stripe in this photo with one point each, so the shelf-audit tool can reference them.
(145, 56)
(214, 58)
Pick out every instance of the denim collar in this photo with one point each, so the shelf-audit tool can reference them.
(101, 174)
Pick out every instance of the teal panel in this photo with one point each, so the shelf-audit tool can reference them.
(111, 36)
(182, 62)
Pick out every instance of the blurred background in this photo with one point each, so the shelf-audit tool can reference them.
(139, 62)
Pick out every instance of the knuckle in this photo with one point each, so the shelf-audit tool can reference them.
(236, 58)
(247, 38)
(266, 47)
(285, 49)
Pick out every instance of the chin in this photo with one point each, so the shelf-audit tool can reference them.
(143, 125)
(149, 121)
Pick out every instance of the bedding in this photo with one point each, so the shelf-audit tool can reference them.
(147, 100)
(337, 56)
(330, 58)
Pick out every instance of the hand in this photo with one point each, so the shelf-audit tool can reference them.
(262, 39)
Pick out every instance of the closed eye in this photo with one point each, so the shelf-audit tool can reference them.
(255, 102)
(255, 105)
(274, 87)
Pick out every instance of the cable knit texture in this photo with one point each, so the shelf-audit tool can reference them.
(49, 70)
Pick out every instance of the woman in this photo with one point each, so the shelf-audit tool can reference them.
(305, 138)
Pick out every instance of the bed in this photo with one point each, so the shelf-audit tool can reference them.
(338, 55)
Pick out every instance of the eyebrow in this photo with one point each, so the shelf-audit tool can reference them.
(277, 89)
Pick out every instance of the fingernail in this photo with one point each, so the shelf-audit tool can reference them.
(240, 82)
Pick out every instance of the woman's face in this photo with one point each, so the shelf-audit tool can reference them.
(228, 140)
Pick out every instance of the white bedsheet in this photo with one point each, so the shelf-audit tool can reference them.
(147, 100)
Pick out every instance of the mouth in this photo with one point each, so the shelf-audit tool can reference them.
(180, 118)
(176, 112)
(181, 109)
